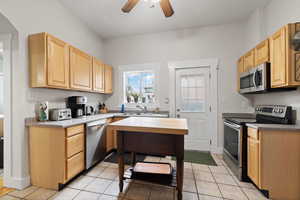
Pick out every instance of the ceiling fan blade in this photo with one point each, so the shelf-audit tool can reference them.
(129, 5)
(166, 7)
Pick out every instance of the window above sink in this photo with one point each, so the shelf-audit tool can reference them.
(139, 86)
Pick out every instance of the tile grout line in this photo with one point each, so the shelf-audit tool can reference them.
(216, 181)
(195, 182)
(238, 185)
(77, 194)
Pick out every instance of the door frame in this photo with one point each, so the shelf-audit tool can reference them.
(213, 65)
(7, 133)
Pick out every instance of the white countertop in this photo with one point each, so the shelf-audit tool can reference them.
(83, 120)
(68, 123)
(295, 127)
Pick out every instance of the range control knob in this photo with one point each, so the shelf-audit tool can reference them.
(281, 111)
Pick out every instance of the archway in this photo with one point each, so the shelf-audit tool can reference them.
(8, 45)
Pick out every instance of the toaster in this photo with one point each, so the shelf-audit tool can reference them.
(60, 114)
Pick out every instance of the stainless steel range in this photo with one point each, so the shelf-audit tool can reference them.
(235, 135)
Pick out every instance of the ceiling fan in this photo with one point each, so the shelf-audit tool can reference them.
(164, 4)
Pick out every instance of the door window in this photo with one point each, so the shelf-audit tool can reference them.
(193, 93)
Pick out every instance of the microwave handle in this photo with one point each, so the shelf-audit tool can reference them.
(254, 79)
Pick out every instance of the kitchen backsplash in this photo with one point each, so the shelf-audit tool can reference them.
(57, 98)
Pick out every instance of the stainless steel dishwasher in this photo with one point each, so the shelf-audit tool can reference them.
(95, 142)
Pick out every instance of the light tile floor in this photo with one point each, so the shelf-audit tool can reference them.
(201, 182)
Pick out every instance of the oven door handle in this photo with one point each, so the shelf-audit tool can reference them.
(232, 125)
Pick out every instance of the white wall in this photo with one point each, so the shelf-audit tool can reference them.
(253, 30)
(272, 17)
(1, 84)
(222, 42)
(28, 17)
(1, 94)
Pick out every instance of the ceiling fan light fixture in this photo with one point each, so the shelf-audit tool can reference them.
(164, 4)
(152, 1)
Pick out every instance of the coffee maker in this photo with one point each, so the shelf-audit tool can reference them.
(77, 105)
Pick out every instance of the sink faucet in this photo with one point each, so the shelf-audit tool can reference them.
(142, 108)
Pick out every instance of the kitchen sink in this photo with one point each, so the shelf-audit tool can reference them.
(145, 115)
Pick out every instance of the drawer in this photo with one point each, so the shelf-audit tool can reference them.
(253, 133)
(75, 144)
(75, 165)
(75, 130)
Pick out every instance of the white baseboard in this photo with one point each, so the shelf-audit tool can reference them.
(217, 150)
(17, 183)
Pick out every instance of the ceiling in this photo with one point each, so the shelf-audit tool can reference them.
(106, 18)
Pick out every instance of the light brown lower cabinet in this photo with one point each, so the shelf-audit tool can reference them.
(253, 159)
(111, 136)
(56, 155)
(75, 164)
(274, 162)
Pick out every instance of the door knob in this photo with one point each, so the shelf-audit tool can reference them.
(178, 116)
(178, 110)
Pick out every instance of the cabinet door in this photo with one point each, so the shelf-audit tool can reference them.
(249, 60)
(98, 76)
(109, 140)
(253, 160)
(262, 53)
(114, 134)
(57, 63)
(81, 69)
(108, 79)
(75, 165)
(278, 58)
(240, 69)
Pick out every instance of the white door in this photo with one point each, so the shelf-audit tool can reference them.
(193, 96)
(1, 79)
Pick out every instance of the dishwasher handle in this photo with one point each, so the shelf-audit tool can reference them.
(96, 123)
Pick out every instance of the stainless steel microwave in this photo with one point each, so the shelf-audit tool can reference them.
(256, 80)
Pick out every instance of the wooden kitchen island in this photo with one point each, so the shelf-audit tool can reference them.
(155, 136)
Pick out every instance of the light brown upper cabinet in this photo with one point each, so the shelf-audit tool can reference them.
(56, 64)
(262, 53)
(280, 51)
(108, 79)
(98, 76)
(240, 70)
(278, 58)
(249, 61)
(81, 70)
(285, 65)
(49, 61)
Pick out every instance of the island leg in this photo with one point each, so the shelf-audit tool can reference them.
(133, 158)
(179, 165)
(120, 146)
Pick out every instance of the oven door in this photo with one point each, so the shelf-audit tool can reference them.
(233, 142)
